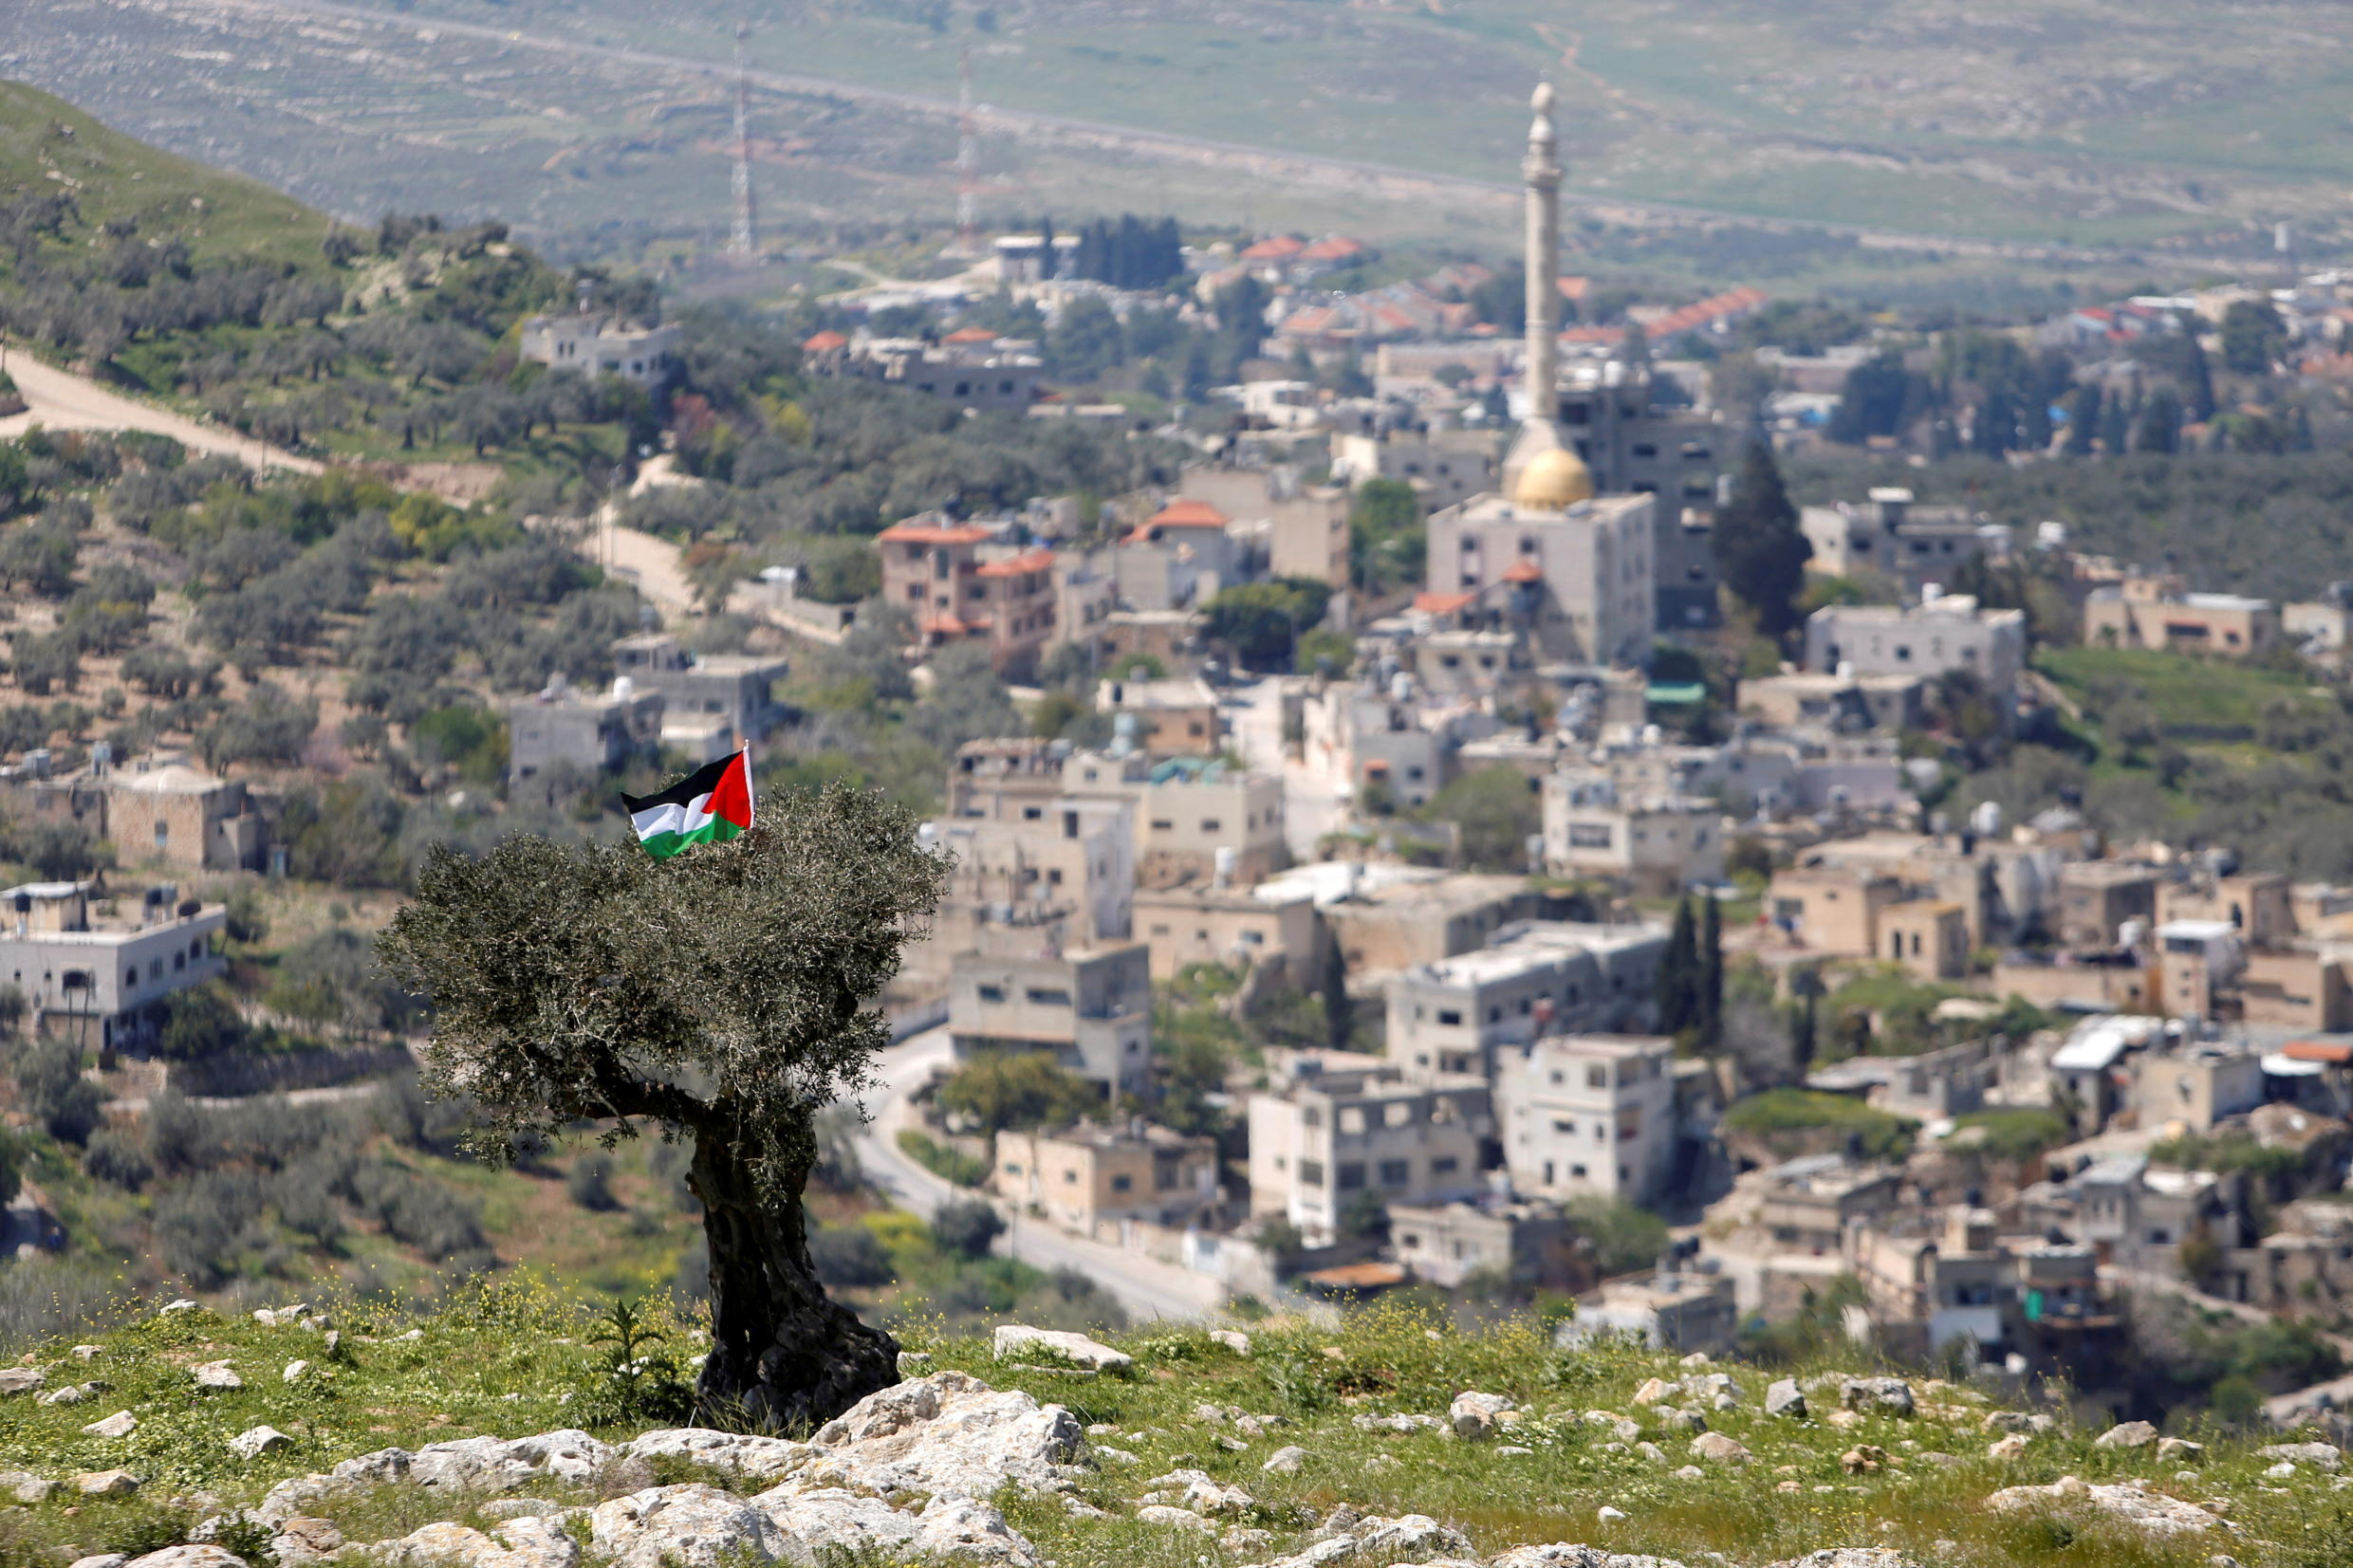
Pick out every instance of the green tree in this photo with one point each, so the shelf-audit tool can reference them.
(1004, 1091)
(1709, 1008)
(1262, 622)
(722, 997)
(2253, 336)
(1497, 812)
(1678, 971)
(1388, 540)
(1760, 551)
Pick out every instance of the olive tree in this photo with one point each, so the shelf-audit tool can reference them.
(722, 997)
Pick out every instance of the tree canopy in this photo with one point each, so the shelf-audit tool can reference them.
(722, 997)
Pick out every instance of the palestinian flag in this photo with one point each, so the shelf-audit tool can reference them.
(709, 806)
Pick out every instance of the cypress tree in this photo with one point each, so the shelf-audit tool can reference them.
(1801, 1034)
(1679, 973)
(1709, 1008)
(1759, 547)
(1045, 247)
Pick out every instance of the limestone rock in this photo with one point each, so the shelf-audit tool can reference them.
(1019, 1339)
(1173, 1517)
(72, 1394)
(2181, 1448)
(1653, 1391)
(21, 1379)
(2006, 1421)
(500, 1465)
(818, 1524)
(26, 1486)
(2007, 1449)
(1233, 1339)
(120, 1424)
(301, 1541)
(2127, 1434)
(1474, 1415)
(1877, 1396)
(103, 1559)
(1285, 1460)
(1402, 1422)
(294, 1371)
(104, 1483)
(1786, 1398)
(2131, 1501)
(217, 1374)
(1850, 1556)
(950, 1434)
(1718, 1448)
(689, 1526)
(740, 1454)
(2327, 1456)
(188, 1557)
(255, 1441)
(1409, 1536)
(1561, 1554)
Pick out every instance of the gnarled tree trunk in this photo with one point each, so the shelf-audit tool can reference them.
(788, 1353)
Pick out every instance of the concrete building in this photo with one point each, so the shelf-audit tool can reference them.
(736, 692)
(1072, 864)
(2259, 907)
(2160, 611)
(999, 376)
(2197, 1085)
(1927, 939)
(1172, 718)
(1305, 528)
(1459, 1015)
(1550, 563)
(1199, 820)
(1445, 468)
(1843, 702)
(1090, 1009)
(596, 345)
(1527, 1244)
(1386, 917)
(560, 729)
(1588, 1116)
(960, 585)
(1022, 258)
(179, 817)
(2098, 897)
(1945, 634)
(1833, 910)
(1180, 557)
(1082, 1177)
(1657, 843)
(99, 969)
(1344, 1136)
(1232, 925)
(1673, 1309)
(1889, 536)
(2294, 988)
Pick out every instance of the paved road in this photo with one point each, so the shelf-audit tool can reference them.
(61, 400)
(1146, 1286)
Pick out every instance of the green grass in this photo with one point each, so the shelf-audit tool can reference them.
(115, 178)
(517, 1360)
(1791, 1119)
(2199, 698)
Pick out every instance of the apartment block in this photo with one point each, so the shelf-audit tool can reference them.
(1089, 1008)
(1658, 844)
(1340, 1137)
(1588, 1116)
(80, 959)
(1456, 1015)
(1083, 1176)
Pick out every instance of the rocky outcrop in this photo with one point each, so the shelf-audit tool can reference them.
(2131, 1501)
(949, 1434)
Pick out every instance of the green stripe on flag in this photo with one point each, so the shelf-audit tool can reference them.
(718, 830)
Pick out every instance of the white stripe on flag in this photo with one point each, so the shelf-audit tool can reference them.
(669, 816)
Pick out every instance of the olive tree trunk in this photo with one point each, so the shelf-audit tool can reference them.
(782, 1350)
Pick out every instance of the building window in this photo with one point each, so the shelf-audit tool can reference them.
(1351, 1178)
(1444, 1165)
(1396, 1172)
(1597, 1077)
(1120, 1184)
(1310, 1172)
(993, 993)
(1040, 998)
(1211, 824)
(1449, 1016)
(163, 833)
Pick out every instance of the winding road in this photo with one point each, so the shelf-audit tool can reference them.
(1146, 1286)
(59, 399)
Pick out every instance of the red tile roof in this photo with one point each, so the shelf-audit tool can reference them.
(1334, 247)
(971, 335)
(824, 343)
(919, 531)
(1523, 571)
(1279, 247)
(1441, 604)
(1188, 514)
(1029, 560)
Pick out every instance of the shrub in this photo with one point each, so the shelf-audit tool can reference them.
(1000, 1093)
(965, 1227)
(116, 1158)
(51, 1088)
(850, 1257)
(940, 1160)
(589, 1183)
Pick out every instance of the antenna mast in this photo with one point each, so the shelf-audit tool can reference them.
(742, 239)
(967, 159)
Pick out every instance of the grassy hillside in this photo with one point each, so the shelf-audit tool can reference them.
(517, 1362)
(48, 145)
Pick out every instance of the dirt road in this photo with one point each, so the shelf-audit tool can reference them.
(61, 400)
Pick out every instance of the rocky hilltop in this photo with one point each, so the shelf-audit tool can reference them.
(508, 1432)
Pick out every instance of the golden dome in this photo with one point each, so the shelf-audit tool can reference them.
(1554, 479)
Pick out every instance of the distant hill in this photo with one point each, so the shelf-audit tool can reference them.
(48, 145)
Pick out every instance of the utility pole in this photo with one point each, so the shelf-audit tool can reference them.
(743, 240)
(967, 159)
